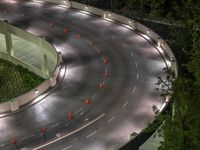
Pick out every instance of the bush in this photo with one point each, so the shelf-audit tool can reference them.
(15, 80)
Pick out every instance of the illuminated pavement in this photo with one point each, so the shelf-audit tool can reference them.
(123, 104)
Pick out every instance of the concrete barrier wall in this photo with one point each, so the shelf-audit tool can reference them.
(45, 48)
(27, 97)
(4, 107)
(119, 18)
(86, 8)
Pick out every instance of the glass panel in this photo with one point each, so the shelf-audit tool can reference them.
(51, 65)
(27, 52)
(2, 43)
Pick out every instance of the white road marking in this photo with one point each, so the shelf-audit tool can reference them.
(93, 133)
(68, 147)
(66, 135)
(95, 48)
(137, 76)
(55, 125)
(134, 90)
(136, 64)
(78, 110)
(93, 96)
(125, 45)
(109, 121)
(86, 119)
(24, 148)
(58, 135)
(67, 124)
(132, 54)
(106, 72)
(125, 104)
(86, 116)
(103, 82)
(79, 115)
(26, 137)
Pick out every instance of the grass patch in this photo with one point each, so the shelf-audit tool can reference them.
(15, 80)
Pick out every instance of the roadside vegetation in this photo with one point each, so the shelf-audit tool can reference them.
(15, 80)
(181, 130)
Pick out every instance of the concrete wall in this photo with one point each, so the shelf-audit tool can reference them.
(4, 107)
(46, 49)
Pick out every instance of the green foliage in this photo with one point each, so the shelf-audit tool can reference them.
(15, 80)
(181, 130)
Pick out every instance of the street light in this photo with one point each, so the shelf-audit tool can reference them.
(36, 91)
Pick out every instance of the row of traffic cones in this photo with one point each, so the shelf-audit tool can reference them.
(86, 101)
(42, 131)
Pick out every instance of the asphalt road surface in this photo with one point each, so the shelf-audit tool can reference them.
(113, 67)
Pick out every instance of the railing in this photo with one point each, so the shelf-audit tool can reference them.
(46, 51)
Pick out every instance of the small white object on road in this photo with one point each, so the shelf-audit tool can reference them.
(125, 104)
(134, 90)
(91, 134)
(68, 147)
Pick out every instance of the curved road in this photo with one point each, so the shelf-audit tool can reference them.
(112, 66)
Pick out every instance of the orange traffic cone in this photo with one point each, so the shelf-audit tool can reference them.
(65, 30)
(70, 115)
(104, 60)
(87, 101)
(13, 141)
(99, 51)
(101, 86)
(43, 130)
(106, 74)
(78, 36)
